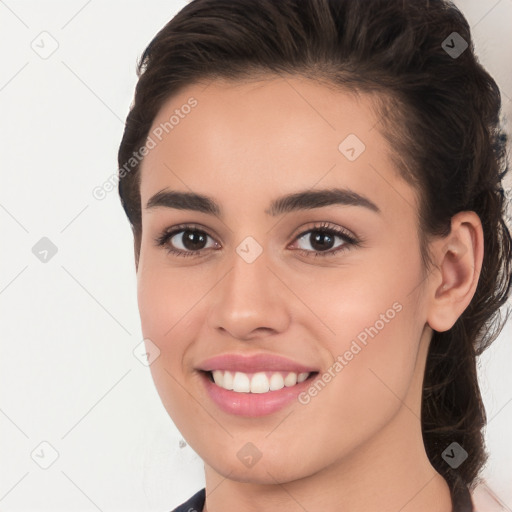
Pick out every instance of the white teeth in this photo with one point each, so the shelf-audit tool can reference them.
(276, 382)
(241, 383)
(228, 380)
(302, 377)
(218, 377)
(257, 382)
(290, 379)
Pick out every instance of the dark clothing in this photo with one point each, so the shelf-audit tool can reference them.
(461, 502)
(194, 504)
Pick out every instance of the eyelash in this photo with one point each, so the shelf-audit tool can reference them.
(324, 228)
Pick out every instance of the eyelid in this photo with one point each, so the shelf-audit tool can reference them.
(326, 227)
(171, 231)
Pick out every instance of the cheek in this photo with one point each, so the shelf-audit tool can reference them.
(161, 309)
(374, 363)
(167, 313)
(378, 353)
(377, 324)
(171, 306)
(165, 297)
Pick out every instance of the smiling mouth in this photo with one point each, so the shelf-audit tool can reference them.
(257, 382)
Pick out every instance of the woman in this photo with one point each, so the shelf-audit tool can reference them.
(315, 192)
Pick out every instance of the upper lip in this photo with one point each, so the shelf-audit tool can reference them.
(253, 363)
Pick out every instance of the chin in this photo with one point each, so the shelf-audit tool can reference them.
(268, 471)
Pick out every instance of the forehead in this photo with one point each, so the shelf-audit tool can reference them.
(246, 140)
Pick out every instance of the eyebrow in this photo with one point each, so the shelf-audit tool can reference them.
(303, 200)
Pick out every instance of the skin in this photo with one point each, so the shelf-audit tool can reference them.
(357, 445)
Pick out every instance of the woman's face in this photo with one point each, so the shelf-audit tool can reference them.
(268, 281)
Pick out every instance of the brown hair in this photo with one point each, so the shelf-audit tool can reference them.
(439, 110)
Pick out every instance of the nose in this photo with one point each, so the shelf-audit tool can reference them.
(250, 301)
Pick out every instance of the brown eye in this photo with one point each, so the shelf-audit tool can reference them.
(186, 241)
(191, 240)
(322, 241)
(319, 241)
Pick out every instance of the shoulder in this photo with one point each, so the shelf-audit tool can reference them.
(482, 498)
(194, 504)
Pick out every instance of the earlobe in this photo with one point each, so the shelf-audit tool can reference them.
(459, 261)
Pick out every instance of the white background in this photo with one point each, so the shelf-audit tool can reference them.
(69, 326)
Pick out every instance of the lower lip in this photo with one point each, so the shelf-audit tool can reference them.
(253, 404)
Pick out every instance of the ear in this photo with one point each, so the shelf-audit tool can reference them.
(458, 258)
